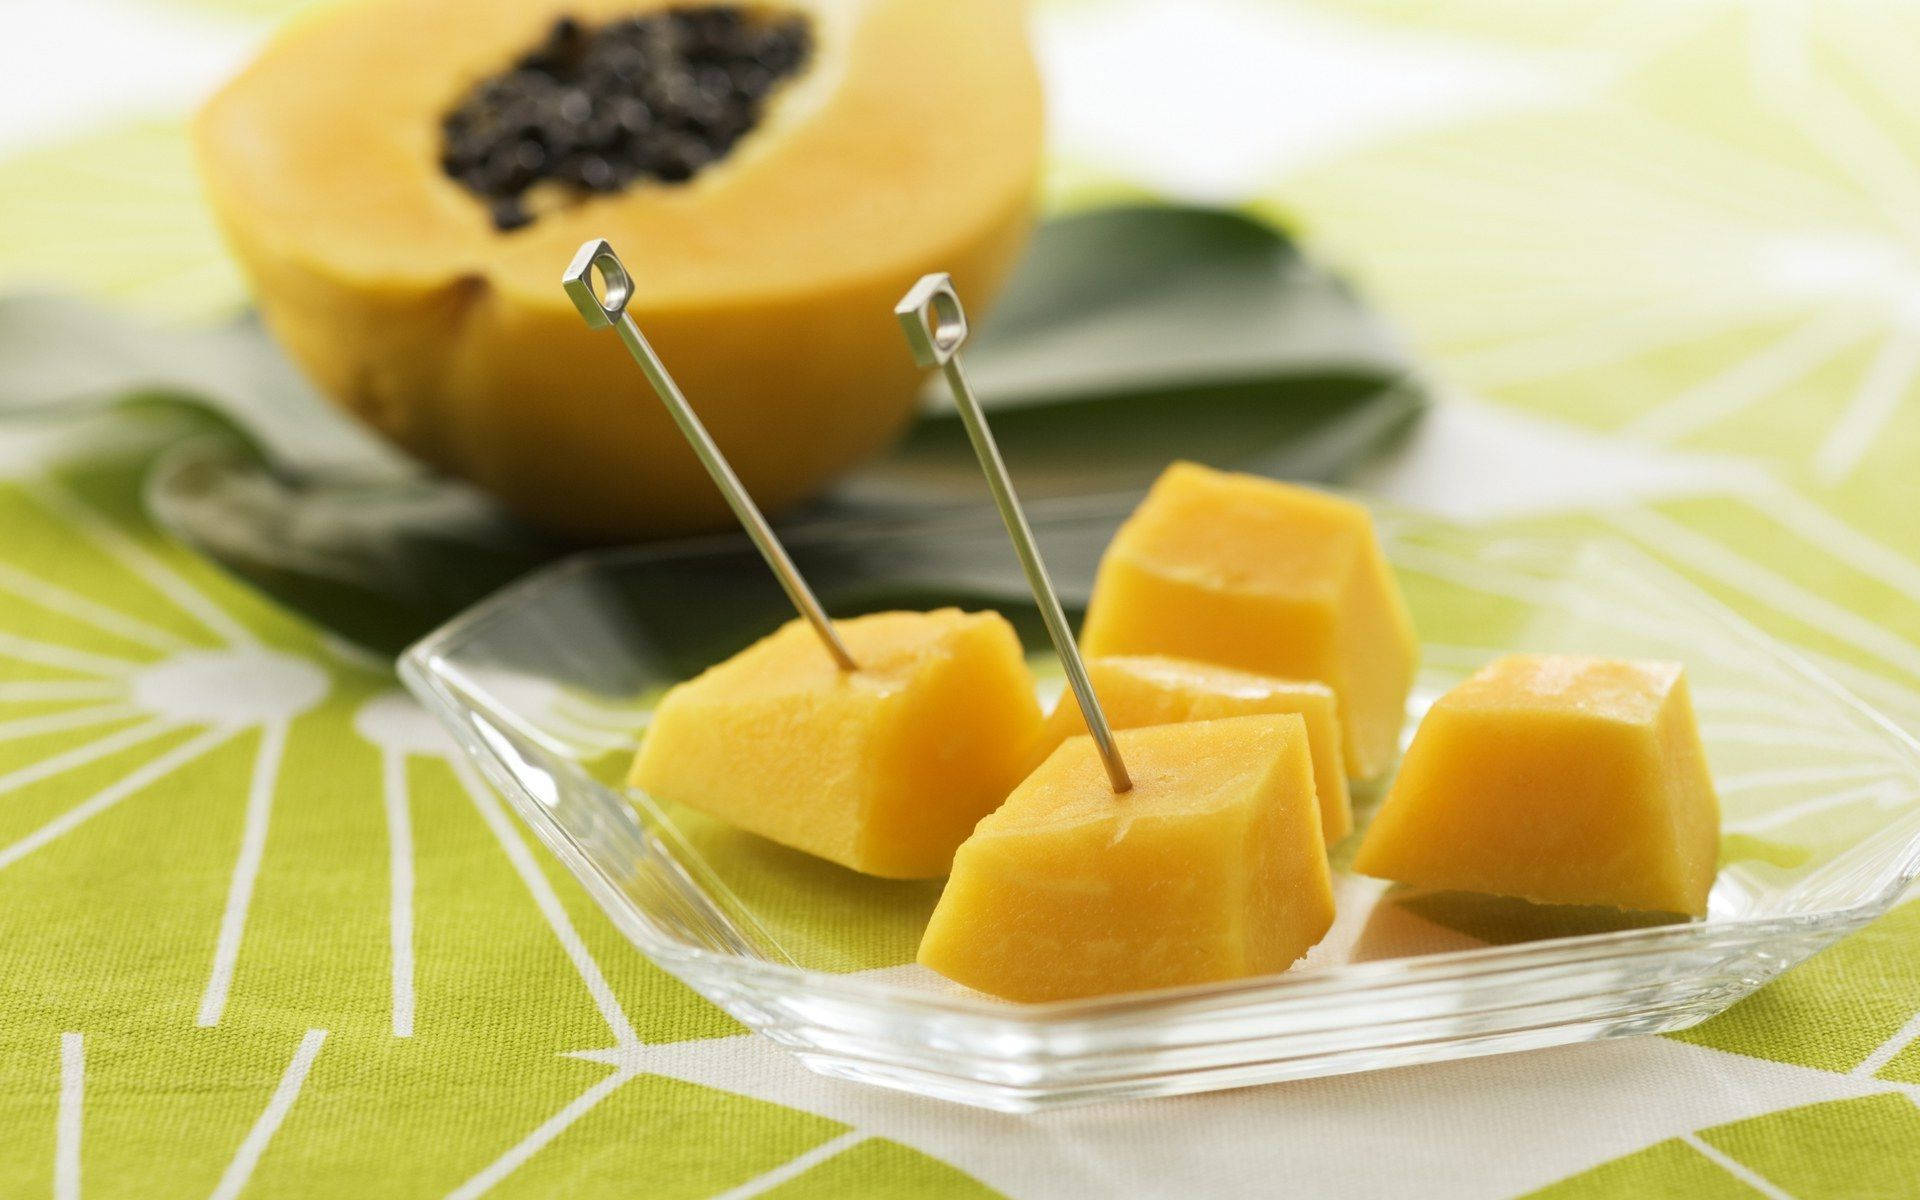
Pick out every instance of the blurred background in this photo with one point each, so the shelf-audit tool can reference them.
(1688, 225)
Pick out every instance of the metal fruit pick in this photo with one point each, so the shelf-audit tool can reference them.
(600, 288)
(936, 327)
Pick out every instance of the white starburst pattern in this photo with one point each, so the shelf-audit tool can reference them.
(1607, 241)
(68, 1126)
(163, 688)
(245, 1159)
(218, 692)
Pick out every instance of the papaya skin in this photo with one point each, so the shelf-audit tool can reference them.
(911, 143)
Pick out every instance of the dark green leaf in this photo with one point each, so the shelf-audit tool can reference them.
(1129, 337)
(1133, 336)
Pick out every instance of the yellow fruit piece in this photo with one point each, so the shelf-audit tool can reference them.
(1557, 779)
(1151, 690)
(1280, 580)
(885, 769)
(909, 143)
(1211, 867)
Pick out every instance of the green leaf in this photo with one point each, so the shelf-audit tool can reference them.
(1129, 337)
(1134, 335)
(61, 356)
(1146, 300)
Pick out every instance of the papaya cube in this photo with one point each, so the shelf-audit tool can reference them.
(1211, 867)
(1558, 779)
(1137, 690)
(1266, 577)
(884, 769)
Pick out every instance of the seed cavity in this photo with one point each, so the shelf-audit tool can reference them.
(597, 110)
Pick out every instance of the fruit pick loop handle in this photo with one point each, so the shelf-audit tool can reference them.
(606, 306)
(936, 327)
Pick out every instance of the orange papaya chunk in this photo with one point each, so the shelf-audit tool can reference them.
(884, 770)
(1211, 867)
(1266, 577)
(1558, 779)
(1138, 690)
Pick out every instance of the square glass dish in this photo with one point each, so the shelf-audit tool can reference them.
(548, 684)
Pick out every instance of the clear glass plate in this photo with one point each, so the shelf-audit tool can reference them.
(548, 684)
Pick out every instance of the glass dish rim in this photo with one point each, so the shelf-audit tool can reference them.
(420, 667)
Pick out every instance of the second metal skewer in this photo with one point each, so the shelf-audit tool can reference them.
(936, 328)
(606, 305)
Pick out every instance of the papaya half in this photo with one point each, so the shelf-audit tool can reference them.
(405, 180)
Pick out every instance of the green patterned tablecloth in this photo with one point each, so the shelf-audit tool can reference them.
(261, 934)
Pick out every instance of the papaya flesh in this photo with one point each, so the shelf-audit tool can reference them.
(1212, 867)
(1266, 577)
(908, 141)
(1559, 779)
(1142, 690)
(884, 769)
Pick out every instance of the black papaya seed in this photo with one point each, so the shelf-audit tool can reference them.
(656, 97)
